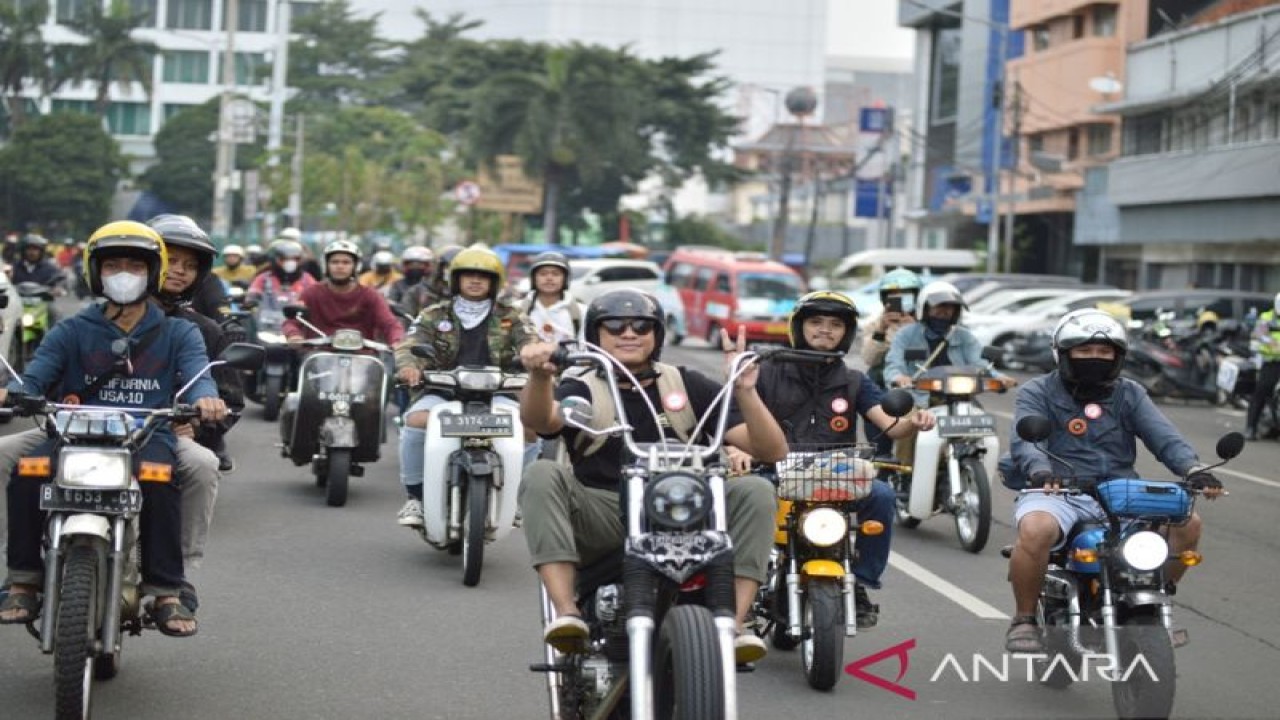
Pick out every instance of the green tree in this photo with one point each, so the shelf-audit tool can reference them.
(60, 169)
(338, 58)
(24, 55)
(111, 54)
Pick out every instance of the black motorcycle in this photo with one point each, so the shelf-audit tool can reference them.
(1173, 360)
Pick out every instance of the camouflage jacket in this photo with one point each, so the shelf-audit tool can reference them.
(438, 326)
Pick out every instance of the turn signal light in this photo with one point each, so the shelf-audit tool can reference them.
(1190, 557)
(1085, 556)
(155, 472)
(929, 385)
(34, 467)
(871, 527)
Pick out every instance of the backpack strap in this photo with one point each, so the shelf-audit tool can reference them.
(605, 414)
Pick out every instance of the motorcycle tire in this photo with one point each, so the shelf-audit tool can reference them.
(473, 527)
(76, 627)
(1138, 692)
(1051, 672)
(687, 680)
(779, 637)
(272, 387)
(337, 473)
(822, 652)
(973, 516)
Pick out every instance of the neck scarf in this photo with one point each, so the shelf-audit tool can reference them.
(471, 312)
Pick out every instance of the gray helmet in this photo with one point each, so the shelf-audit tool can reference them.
(550, 259)
(1083, 326)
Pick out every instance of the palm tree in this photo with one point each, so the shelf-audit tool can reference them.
(566, 121)
(24, 55)
(111, 54)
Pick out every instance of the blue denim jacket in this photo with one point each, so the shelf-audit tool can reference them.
(962, 349)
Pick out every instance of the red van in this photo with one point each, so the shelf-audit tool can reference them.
(724, 289)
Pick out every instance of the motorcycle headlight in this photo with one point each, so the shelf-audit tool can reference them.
(479, 380)
(961, 385)
(28, 319)
(677, 501)
(93, 469)
(824, 527)
(1145, 550)
(347, 339)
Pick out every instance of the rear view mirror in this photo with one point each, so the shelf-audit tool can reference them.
(426, 352)
(1230, 445)
(576, 410)
(915, 354)
(294, 311)
(1034, 428)
(897, 403)
(243, 356)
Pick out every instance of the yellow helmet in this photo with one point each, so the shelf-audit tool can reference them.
(477, 258)
(822, 302)
(128, 239)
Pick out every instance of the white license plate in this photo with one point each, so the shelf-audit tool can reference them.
(54, 498)
(481, 425)
(963, 425)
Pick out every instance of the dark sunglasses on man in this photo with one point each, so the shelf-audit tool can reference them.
(616, 326)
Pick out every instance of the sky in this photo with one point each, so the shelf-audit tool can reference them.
(865, 28)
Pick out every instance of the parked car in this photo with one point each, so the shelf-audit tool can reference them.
(590, 278)
(724, 289)
(1004, 330)
(1007, 301)
(976, 287)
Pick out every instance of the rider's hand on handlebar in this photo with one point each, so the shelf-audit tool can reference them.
(902, 381)
(922, 419)
(409, 375)
(295, 339)
(1206, 483)
(739, 461)
(212, 409)
(536, 357)
(732, 349)
(1045, 480)
(1008, 382)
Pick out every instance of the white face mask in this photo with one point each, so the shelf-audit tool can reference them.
(289, 266)
(124, 288)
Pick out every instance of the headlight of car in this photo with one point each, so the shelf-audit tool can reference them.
(824, 527)
(86, 468)
(1145, 550)
(479, 379)
(961, 385)
(677, 501)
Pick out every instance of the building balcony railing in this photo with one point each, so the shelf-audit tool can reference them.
(1244, 170)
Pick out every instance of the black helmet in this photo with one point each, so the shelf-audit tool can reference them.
(550, 258)
(625, 303)
(182, 231)
(823, 302)
(443, 259)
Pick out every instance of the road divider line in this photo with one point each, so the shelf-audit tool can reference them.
(946, 589)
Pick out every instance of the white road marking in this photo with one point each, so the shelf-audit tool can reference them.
(946, 589)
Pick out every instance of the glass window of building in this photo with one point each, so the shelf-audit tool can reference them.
(251, 16)
(171, 109)
(1040, 38)
(249, 69)
(302, 9)
(129, 118)
(1035, 142)
(1077, 27)
(1144, 134)
(1073, 143)
(1099, 141)
(67, 10)
(946, 75)
(146, 9)
(186, 66)
(1104, 20)
(190, 14)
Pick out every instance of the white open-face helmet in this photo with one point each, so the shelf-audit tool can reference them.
(416, 253)
(1083, 326)
(938, 292)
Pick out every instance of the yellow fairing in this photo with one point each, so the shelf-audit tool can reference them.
(822, 568)
(780, 522)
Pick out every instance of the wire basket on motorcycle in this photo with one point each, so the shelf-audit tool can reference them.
(826, 473)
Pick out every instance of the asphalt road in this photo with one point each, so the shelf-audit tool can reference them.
(317, 612)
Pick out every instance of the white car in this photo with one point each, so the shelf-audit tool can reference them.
(1004, 301)
(1005, 329)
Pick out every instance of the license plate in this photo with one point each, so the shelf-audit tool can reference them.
(776, 329)
(961, 425)
(54, 498)
(482, 425)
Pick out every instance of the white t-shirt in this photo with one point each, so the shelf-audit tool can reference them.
(555, 322)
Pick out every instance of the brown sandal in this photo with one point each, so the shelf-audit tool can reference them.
(24, 601)
(1024, 636)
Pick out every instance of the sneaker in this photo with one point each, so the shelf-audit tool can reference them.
(868, 612)
(226, 464)
(748, 648)
(411, 514)
(567, 633)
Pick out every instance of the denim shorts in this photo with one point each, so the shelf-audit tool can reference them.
(1066, 509)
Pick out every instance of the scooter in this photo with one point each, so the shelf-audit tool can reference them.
(964, 439)
(36, 300)
(280, 371)
(475, 453)
(1172, 364)
(334, 418)
(91, 594)
(1105, 595)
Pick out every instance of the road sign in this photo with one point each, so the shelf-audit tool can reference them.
(508, 189)
(467, 192)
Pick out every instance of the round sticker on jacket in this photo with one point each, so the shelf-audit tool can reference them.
(1093, 411)
(839, 423)
(675, 401)
(444, 326)
(1077, 426)
(839, 405)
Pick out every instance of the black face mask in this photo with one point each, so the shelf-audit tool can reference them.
(1091, 372)
(937, 326)
(413, 277)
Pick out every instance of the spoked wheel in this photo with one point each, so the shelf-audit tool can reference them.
(779, 636)
(973, 513)
(1145, 672)
(822, 651)
(336, 475)
(473, 527)
(271, 389)
(73, 640)
(1063, 665)
(687, 680)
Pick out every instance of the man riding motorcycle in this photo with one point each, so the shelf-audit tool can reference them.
(34, 266)
(1096, 416)
(819, 405)
(416, 262)
(571, 512)
(472, 327)
(383, 274)
(284, 278)
(340, 302)
(435, 287)
(132, 356)
(899, 290)
(234, 269)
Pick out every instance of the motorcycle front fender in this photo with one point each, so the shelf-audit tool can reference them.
(339, 432)
(823, 569)
(85, 524)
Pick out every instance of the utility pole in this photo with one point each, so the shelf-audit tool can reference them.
(225, 162)
(295, 169)
(275, 121)
(993, 178)
(1015, 138)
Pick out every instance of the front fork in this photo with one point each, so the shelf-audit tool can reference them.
(794, 629)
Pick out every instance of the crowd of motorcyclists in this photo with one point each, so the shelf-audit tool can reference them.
(165, 311)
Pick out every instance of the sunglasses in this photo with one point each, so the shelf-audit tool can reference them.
(640, 326)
